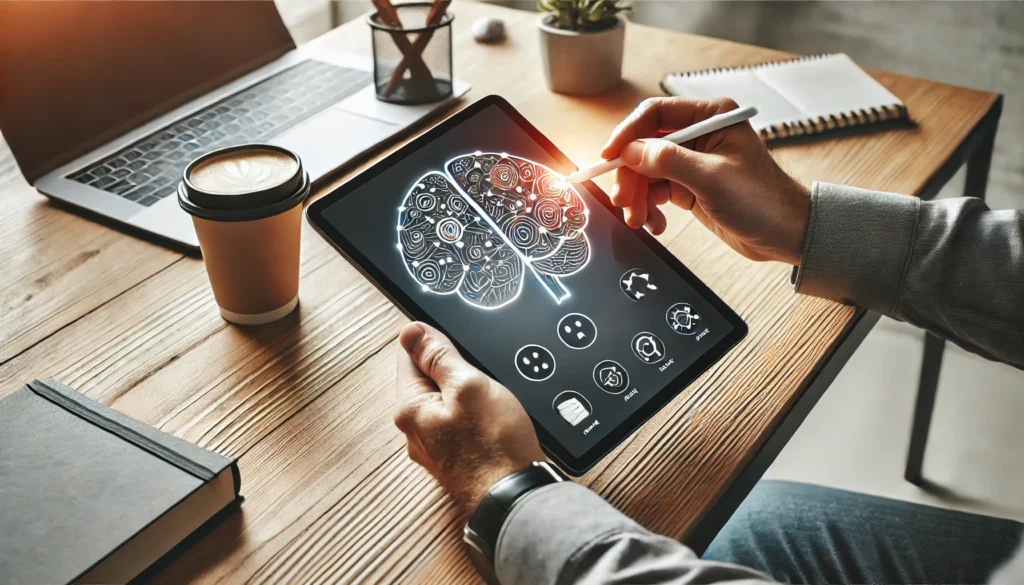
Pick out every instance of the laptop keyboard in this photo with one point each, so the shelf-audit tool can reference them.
(150, 169)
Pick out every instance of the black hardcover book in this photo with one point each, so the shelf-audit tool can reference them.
(89, 495)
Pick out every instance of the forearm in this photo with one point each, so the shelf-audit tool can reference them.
(566, 534)
(953, 267)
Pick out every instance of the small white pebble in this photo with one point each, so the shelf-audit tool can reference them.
(489, 30)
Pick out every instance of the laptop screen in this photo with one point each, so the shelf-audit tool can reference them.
(74, 75)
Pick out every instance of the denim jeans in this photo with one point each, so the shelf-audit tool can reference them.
(801, 533)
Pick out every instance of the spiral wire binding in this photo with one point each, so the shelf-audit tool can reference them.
(809, 126)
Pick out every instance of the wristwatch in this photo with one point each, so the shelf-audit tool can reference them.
(480, 536)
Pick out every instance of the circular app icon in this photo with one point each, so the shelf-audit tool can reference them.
(611, 377)
(648, 348)
(577, 330)
(572, 407)
(682, 318)
(637, 284)
(535, 363)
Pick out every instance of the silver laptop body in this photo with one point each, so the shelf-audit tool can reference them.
(317, 102)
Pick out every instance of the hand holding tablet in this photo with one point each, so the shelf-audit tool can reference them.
(473, 229)
(453, 413)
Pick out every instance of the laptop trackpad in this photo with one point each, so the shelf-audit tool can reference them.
(331, 138)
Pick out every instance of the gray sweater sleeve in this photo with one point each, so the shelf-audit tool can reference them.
(953, 267)
(566, 534)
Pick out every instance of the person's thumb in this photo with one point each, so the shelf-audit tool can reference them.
(660, 159)
(434, 354)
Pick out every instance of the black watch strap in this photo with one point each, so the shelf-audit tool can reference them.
(484, 525)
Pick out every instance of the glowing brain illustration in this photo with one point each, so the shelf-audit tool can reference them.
(489, 219)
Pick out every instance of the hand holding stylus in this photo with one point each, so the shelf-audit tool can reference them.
(692, 132)
(727, 179)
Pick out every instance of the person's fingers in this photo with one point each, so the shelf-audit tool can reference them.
(410, 381)
(624, 188)
(649, 117)
(661, 159)
(413, 389)
(658, 116)
(433, 354)
(414, 413)
(656, 222)
(417, 395)
(636, 212)
(659, 192)
(418, 454)
(681, 196)
(437, 358)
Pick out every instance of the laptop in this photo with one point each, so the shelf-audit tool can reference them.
(104, 103)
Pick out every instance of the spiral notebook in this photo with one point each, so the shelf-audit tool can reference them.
(801, 97)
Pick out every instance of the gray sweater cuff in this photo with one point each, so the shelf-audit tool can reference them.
(858, 246)
(548, 525)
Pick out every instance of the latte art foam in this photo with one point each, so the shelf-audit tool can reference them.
(243, 171)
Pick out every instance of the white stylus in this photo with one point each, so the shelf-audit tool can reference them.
(716, 122)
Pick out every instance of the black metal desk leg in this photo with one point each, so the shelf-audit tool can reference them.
(978, 166)
(926, 389)
(974, 186)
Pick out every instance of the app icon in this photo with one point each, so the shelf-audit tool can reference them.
(577, 330)
(611, 377)
(637, 284)
(648, 348)
(572, 407)
(682, 318)
(535, 363)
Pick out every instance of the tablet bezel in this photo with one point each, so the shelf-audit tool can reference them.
(575, 466)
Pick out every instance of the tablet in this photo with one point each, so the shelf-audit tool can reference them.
(472, 228)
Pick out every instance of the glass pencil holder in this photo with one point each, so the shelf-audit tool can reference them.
(412, 63)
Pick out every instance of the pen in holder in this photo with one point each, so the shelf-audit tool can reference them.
(412, 52)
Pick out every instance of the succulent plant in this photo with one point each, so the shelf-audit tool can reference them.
(582, 15)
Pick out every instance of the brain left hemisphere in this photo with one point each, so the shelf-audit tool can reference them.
(448, 247)
(429, 233)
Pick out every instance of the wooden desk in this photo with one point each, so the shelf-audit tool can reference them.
(306, 403)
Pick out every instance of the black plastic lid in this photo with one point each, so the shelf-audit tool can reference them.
(247, 206)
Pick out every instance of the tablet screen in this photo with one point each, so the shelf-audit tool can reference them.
(542, 283)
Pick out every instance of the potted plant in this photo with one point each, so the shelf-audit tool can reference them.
(581, 44)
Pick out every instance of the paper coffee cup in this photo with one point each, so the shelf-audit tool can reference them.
(246, 205)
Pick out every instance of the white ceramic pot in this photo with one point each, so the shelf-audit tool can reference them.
(581, 63)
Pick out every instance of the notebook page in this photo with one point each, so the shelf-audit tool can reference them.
(741, 85)
(826, 86)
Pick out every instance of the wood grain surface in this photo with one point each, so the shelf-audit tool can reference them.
(306, 403)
